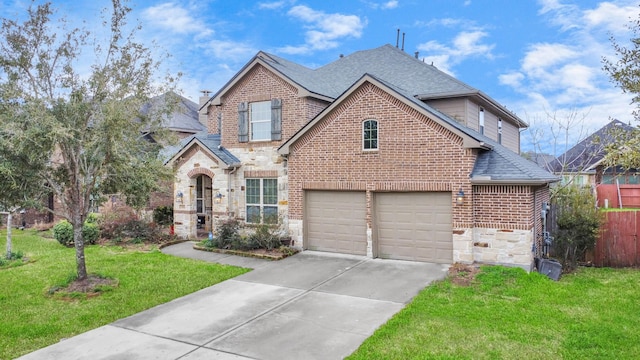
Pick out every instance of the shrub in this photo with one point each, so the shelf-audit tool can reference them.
(90, 232)
(127, 226)
(63, 232)
(227, 235)
(163, 215)
(578, 221)
(264, 237)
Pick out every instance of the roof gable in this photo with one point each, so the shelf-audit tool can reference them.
(208, 142)
(409, 100)
(495, 163)
(386, 63)
(584, 156)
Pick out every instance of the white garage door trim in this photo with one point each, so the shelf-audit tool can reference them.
(335, 221)
(414, 226)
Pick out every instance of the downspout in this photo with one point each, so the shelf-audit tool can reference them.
(231, 172)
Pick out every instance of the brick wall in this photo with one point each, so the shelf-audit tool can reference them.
(415, 153)
(495, 206)
(260, 84)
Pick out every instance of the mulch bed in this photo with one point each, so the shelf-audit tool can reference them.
(463, 274)
(274, 254)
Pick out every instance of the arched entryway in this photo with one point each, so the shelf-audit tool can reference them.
(201, 193)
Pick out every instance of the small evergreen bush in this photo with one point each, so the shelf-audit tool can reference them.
(163, 215)
(63, 232)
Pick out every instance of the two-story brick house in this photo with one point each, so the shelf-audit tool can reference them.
(375, 154)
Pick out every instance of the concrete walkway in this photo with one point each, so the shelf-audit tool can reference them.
(308, 306)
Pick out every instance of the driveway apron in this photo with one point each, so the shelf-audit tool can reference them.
(308, 306)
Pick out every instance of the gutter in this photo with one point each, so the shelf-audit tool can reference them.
(486, 180)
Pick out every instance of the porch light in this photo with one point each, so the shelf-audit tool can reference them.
(218, 198)
(460, 197)
(179, 196)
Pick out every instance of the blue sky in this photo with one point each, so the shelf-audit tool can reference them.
(539, 58)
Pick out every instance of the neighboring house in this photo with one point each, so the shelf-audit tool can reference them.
(375, 154)
(582, 164)
(183, 121)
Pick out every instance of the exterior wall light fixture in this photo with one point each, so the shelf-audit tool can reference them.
(460, 197)
(179, 196)
(218, 198)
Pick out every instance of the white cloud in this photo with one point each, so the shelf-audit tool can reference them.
(229, 50)
(175, 18)
(272, 5)
(465, 45)
(513, 79)
(324, 30)
(611, 17)
(541, 56)
(566, 76)
(390, 4)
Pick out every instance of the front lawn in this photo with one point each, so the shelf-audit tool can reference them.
(509, 314)
(32, 319)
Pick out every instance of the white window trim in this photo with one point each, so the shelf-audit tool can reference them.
(377, 135)
(261, 121)
(481, 120)
(261, 204)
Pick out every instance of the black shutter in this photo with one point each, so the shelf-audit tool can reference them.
(243, 122)
(276, 119)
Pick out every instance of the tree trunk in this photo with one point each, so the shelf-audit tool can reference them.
(9, 236)
(79, 245)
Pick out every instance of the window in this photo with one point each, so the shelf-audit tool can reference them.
(260, 113)
(262, 201)
(260, 121)
(481, 120)
(370, 135)
(499, 131)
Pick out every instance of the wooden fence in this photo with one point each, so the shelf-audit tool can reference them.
(618, 245)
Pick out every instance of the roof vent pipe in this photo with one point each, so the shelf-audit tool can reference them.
(416, 54)
(402, 41)
(397, 38)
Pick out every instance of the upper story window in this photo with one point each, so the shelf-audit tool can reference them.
(499, 131)
(260, 121)
(481, 120)
(370, 135)
(260, 113)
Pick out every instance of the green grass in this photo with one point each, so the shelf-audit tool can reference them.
(31, 319)
(509, 314)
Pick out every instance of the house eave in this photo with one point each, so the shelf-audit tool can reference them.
(482, 98)
(216, 99)
(488, 181)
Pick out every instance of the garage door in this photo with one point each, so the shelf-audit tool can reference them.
(414, 226)
(335, 221)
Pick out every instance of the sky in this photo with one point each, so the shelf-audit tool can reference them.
(542, 59)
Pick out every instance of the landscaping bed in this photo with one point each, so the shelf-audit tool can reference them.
(273, 254)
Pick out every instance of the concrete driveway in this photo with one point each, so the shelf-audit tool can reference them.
(308, 306)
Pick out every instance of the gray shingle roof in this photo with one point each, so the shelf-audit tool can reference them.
(590, 151)
(185, 116)
(496, 164)
(385, 63)
(210, 141)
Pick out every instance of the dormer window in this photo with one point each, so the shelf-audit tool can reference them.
(370, 135)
